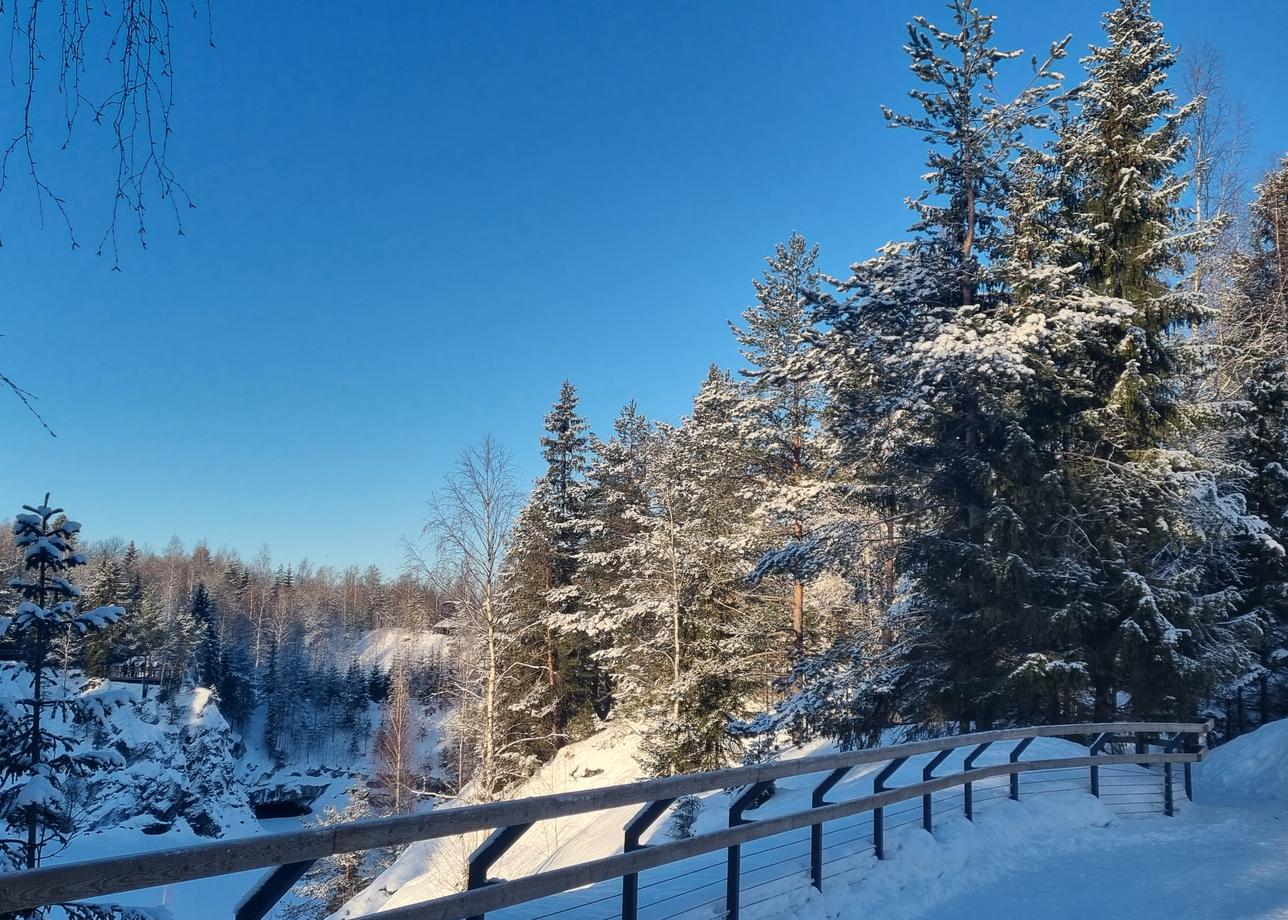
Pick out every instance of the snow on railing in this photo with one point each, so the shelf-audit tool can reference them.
(1165, 743)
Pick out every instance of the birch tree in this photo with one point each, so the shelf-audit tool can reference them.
(468, 528)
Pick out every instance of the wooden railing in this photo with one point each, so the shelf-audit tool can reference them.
(1166, 743)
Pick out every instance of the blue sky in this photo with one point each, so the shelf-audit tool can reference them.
(415, 219)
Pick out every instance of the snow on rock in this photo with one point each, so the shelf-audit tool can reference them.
(155, 764)
(1252, 765)
(180, 763)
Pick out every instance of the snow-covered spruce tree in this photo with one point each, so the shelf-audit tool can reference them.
(541, 582)
(681, 630)
(614, 517)
(782, 406)
(1255, 315)
(208, 654)
(37, 757)
(1155, 518)
(107, 585)
(355, 705)
(935, 401)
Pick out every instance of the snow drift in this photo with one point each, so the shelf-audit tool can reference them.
(1252, 764)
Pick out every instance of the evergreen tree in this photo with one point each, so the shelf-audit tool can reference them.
(575, 679)
(236, 685)
(1158, 623)
(356, 701)
(939, 389)
(783, 404)
(275, 721)
(1256, 316)
(542, 583)
(378, 683)
(36, 756)
(209, 652)
(680, 617)
(107, 585)
(615, 515)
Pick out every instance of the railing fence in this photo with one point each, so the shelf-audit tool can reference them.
(1143, 744)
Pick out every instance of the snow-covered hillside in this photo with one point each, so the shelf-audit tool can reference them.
(386, 646)
(176, 762)
(436, 867)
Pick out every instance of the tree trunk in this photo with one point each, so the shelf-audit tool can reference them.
(1104, 700)
(489, 705)
(798, 532)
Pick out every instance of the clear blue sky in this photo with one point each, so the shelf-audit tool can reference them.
(415, 219)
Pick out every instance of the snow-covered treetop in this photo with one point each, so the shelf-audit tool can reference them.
(972, 135)
(49, 599)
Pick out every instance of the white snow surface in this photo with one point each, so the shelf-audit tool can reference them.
(386, 646)
(1058, 852)
(1253, 764)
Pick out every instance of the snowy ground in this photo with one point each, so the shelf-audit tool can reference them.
(1225, 856)
(1228, 860)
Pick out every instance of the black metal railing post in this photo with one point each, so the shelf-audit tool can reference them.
(1191, 747)
(968, 790)
(1142, 747)
(1170, 746)
(878, 814)
(1097, 745)
(818, 800)
(1015, 758)
(270, 889)
(489, 851)
(927, 774)
(750, 797)
(632, 833)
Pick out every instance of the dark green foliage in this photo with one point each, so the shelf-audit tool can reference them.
(37, 757)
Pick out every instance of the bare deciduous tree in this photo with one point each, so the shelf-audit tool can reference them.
(112, 63)
(468, 528)
(395, 746)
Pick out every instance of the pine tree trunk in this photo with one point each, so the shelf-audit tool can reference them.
(887, 633)
(798, 618)
(1103, 710)
(798, 532)
(677, 646)
(38, 653)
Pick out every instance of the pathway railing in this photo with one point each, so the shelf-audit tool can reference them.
(291, 854)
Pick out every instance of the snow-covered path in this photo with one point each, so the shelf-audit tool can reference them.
(1223, 859)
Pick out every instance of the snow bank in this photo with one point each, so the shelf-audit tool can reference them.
(1255, 764)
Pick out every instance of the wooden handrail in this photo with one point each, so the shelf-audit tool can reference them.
(529, 888)
(73, 881)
